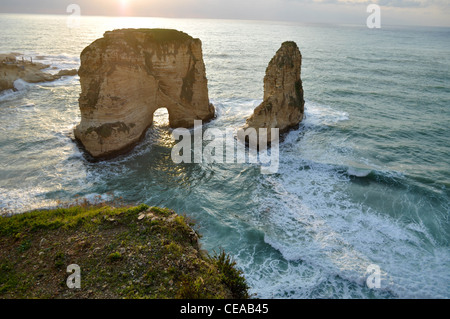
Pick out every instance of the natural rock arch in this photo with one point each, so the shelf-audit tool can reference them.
(164, 112)
(130, 73)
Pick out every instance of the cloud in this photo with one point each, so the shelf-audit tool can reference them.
(385, 3)
(405, 3)
(421, 12)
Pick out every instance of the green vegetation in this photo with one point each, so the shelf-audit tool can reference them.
(126, 252)
(231, 276)
(115, 256)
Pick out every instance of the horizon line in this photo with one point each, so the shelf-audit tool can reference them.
(225, 19)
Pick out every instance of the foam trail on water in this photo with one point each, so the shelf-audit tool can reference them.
(308, 217)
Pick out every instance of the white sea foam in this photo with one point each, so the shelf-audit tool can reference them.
(316, 114)
(358, 172)
(233, 112)
(310, 220)
(96, 198)
(313, 238)
(6, 95)
(21, 85)
(21, 200)
(55, 62)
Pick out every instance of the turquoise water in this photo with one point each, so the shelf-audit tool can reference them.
(364, 180)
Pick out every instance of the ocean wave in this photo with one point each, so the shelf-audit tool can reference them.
(63, 81)
(306, 212)
(6, 95)
(21, 85)
(322, 115)
(15, 201)
(20, 88)
(307, 219)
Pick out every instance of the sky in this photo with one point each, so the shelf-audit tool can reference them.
(393, 12)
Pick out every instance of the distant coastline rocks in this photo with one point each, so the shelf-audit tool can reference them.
(130, 73)
(283, 104)
(12, 69)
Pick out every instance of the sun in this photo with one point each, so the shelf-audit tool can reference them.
(124, 3)
(125, 7)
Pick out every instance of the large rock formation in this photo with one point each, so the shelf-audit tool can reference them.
(130, 73)
(283, 104)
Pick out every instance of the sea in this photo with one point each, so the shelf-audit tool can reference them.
(363, 186)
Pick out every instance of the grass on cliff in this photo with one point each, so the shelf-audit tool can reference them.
(137, 252)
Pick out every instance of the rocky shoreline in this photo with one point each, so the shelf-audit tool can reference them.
(13, 69)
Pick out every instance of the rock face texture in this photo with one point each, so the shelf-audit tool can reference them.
(283, 104)
(130, 73)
